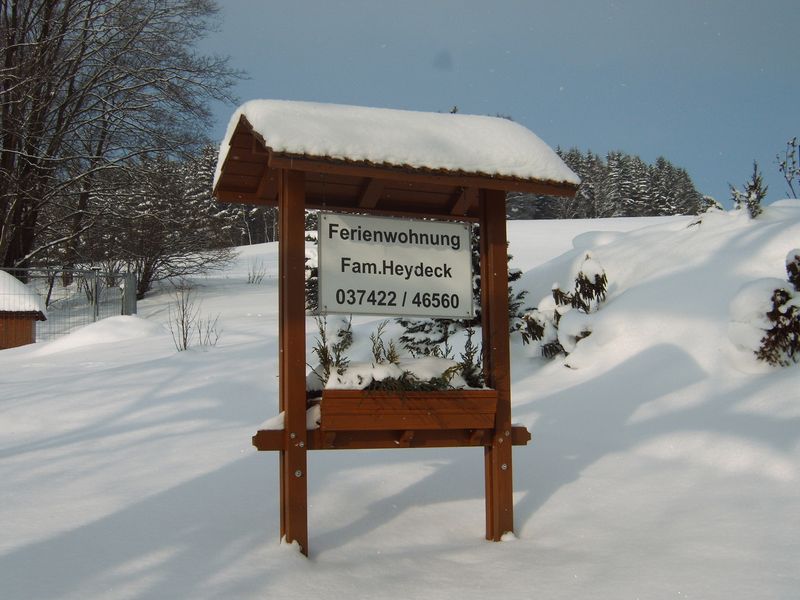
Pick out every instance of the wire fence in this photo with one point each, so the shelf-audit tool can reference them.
(72, 298)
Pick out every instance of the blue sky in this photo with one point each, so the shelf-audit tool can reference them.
(709, 85)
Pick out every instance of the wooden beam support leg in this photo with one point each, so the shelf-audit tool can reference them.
(494, 302)
(291, 246)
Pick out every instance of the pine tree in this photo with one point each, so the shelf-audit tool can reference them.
(793, 268)
(541, 324)
(637, 200)
(661, 183)
(754, 192)
(780, 345)
(470, 362)
(622, 185)
(590, 286)
(611, 187)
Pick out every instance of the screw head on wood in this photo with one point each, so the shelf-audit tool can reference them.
(504, 466)
(298, 473)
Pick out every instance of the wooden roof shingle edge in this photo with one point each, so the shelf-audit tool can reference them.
(35, 315)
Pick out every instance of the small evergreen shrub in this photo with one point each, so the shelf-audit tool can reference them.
(381, 352)
(793, 268)
(754, 192)
(541, 325)
(471, 363)
(408, 382)
(780, 345)
(765, 316)
(385, 371)
(427, 337)
(331, 354)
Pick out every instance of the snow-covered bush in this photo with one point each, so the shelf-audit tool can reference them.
(387, 370)
(793, 268)
(541, 324)
(590, 286)
(754, 192)
(470, 365)
(428, 336)
(419, 374)
(765, 316)
(330, 351)
(560, 321)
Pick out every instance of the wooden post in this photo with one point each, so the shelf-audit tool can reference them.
(494, 303)
(292, 319)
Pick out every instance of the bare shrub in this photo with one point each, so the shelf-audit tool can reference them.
(256, 272)
(186, 324)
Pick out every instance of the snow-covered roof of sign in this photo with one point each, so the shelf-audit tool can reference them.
(16, 297)
(453, 143)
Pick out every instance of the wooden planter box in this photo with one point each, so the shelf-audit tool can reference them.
(366, 410)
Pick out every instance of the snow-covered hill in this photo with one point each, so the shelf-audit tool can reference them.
(665, 462)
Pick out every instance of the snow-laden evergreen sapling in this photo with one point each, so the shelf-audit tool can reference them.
(780, 345)
(331, 354)
(765, 316)
(543, 325)
(590, 286)
(381, 352)
(754, 192)
(793, 268)
(427, 337)
(387, 371)
(470, 365)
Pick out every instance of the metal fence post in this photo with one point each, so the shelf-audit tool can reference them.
(129, 295)
(95, 293)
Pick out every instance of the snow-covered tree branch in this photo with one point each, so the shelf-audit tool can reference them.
(86, 86)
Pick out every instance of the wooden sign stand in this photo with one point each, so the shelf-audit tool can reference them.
(253, 173)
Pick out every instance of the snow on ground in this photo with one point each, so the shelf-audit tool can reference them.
(665, 462)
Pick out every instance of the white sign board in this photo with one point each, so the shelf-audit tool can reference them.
(393, 266)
